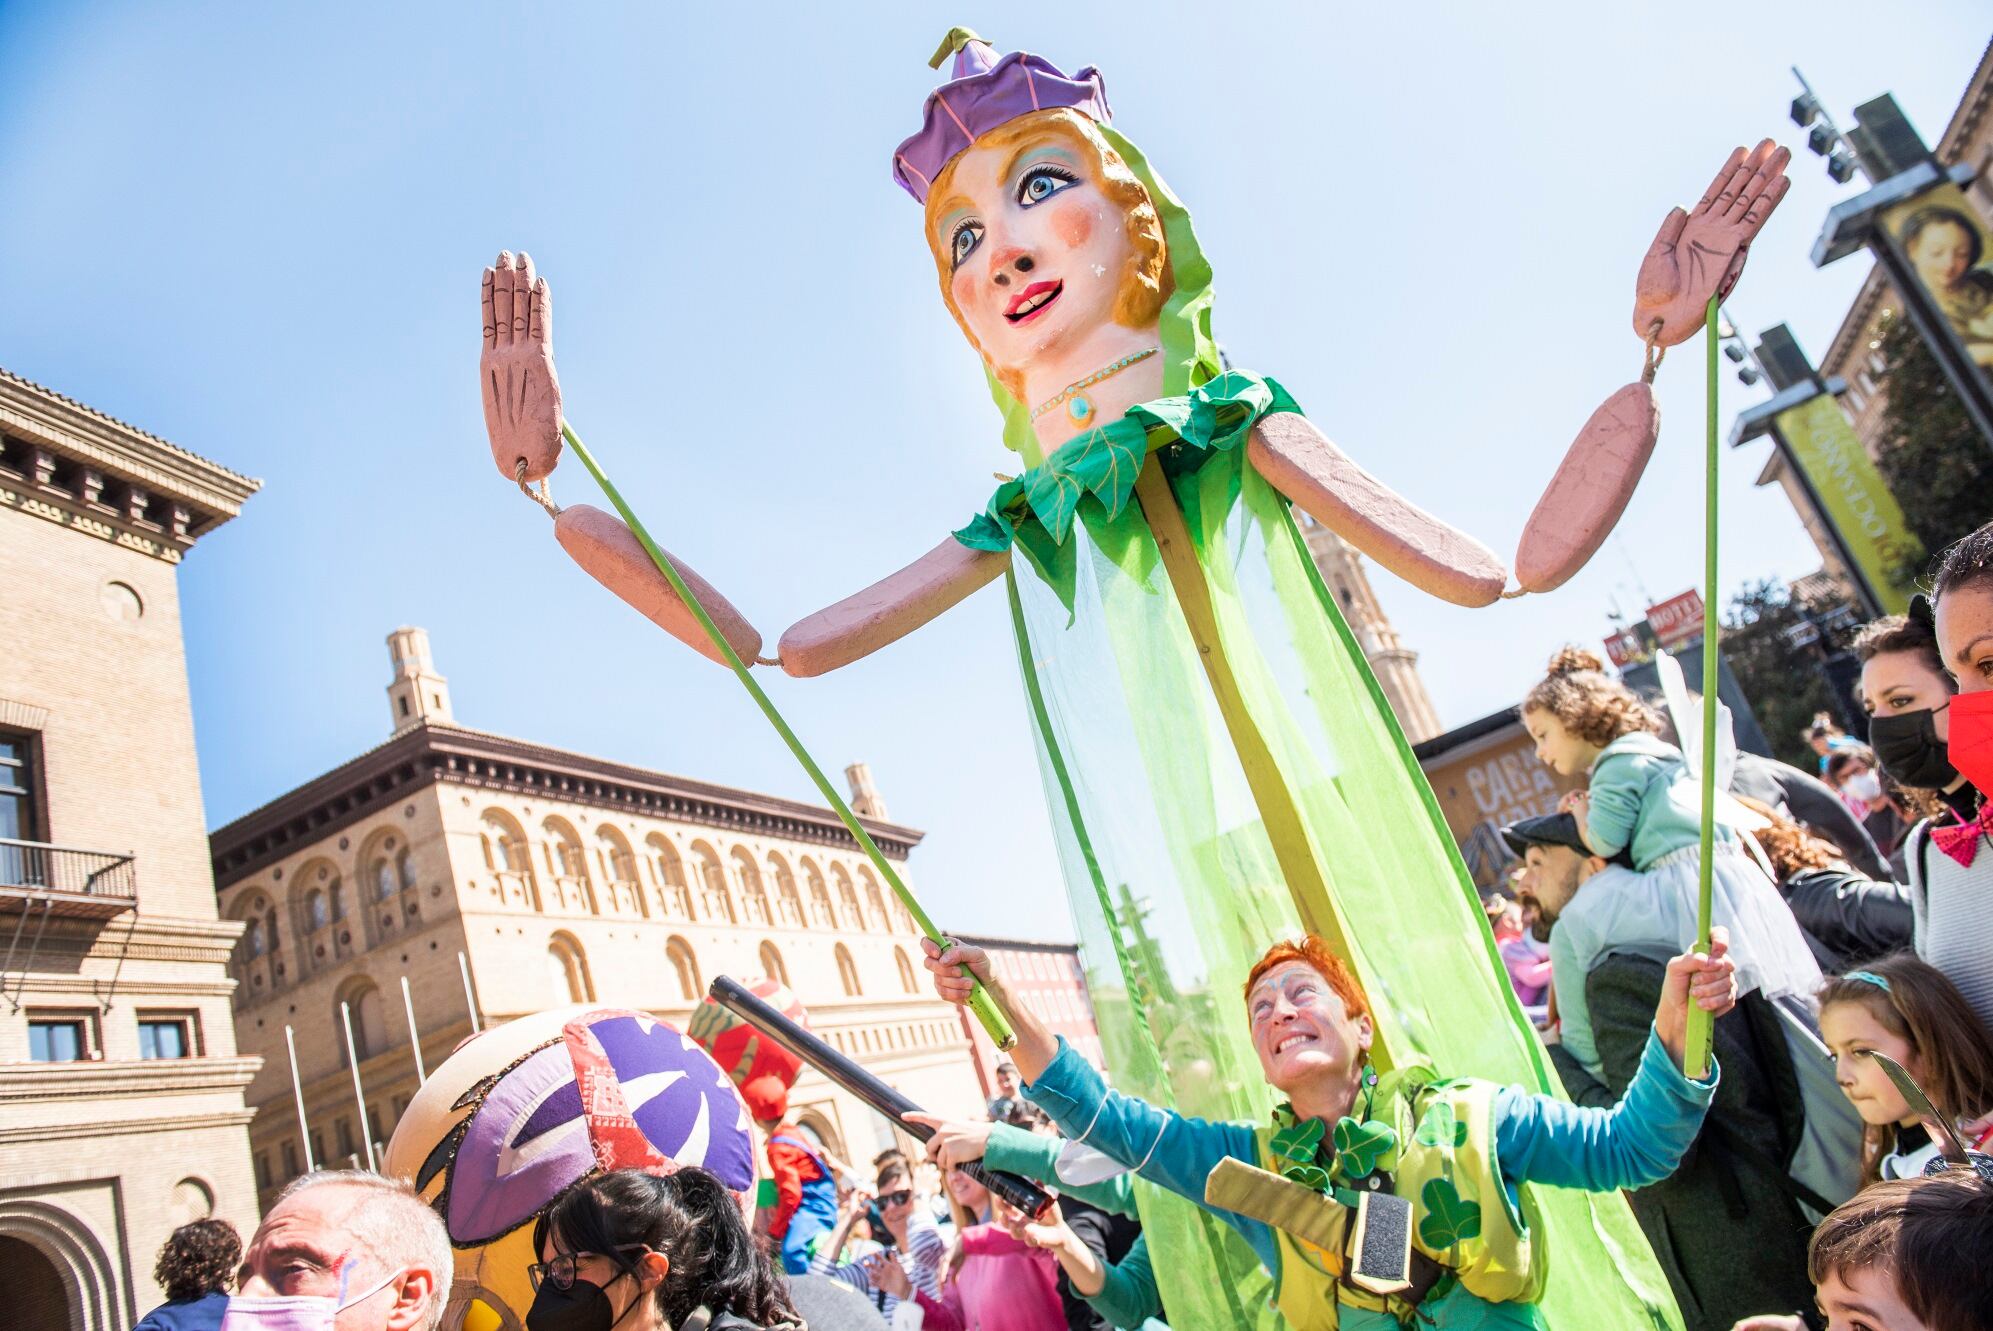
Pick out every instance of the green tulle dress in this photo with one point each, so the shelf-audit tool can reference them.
(1184, 859)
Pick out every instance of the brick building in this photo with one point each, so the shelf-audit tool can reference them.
(121, 1106)
(557, 878)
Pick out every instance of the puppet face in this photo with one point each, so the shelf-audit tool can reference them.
(1301, 1028)
(1041, 235)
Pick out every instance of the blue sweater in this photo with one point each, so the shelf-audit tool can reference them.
(202, 1314)
(1538, 1139)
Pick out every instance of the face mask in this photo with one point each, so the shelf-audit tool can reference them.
(1972, 739)
(581, 1307)
(1908, 747)
(293, 1312)
(1864, 786)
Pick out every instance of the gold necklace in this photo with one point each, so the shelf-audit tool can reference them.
(1079, 407)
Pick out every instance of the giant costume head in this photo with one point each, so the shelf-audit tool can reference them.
(521, 1111)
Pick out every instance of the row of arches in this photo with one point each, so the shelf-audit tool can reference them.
(659, 881)
(569, 979)
(323, 919)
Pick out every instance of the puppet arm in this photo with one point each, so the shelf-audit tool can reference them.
(1299, 461)
(889, 609)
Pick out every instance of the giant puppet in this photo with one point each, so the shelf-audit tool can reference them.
(1220, 765)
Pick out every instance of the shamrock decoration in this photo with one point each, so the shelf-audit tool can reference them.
(1448, 1219)
(1361, 1146)
(1440, 1127)
(1297, 1143)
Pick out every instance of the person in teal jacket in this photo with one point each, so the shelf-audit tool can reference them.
(1457, 1153)
(1123, 1292)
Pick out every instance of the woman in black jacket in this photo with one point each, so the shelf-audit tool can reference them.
(1848, 919)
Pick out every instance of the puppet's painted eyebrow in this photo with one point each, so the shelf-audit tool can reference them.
(954, 211)
(1039, 152)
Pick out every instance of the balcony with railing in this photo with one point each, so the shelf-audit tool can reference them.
(64, 880)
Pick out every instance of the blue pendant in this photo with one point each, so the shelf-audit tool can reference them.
(1079, 408)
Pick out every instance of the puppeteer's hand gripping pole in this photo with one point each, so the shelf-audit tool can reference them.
(736, 998)
(980, 1002)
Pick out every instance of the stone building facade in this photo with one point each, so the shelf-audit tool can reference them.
(1048, 979)
(121, 1087)
(1395, 665)
(1852, 355)
(556, 878)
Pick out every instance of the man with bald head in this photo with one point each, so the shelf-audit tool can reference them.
(375, 1255)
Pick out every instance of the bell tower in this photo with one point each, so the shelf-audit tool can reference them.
(1395, 665)
(416, 694)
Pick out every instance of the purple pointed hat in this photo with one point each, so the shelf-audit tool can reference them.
(986, 91)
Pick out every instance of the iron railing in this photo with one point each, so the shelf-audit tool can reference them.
(38, 866)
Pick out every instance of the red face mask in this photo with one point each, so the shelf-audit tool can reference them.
(1971, 739)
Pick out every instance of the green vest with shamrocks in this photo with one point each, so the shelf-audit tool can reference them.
(1433, 1143)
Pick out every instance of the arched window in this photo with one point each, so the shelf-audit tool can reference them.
(715, 901)
(754, 898)
(567, 974)
(405, 870)
(386, 881)
(772, 966)
(336, 894)
(362, 1003)
(316, 916)
(788, 901)
(875, 901)
(616, 856)
(569, 862)
(669, 872)
(907, 980)
(252, 939)
(847, 972)
(509, 839)
(679, 953)
(819, 894)
(847, 899)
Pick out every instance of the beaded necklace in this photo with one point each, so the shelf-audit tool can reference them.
(1079, 407)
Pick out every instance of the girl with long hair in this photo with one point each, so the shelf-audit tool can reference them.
(1906, 1009)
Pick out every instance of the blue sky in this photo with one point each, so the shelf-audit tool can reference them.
(257, 230)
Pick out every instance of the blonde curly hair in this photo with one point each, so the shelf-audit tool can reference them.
(1589, 703)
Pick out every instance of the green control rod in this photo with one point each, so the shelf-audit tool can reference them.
(980, 1002)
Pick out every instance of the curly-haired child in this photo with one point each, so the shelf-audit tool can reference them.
(1644, 806)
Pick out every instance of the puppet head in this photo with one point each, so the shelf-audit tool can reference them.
(1045, 224)
(522, 1110)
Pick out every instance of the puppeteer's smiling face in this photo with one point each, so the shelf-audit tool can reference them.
(1301, 1027)
(1032, 251)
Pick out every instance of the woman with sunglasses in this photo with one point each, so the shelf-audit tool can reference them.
(910, 1267)
(631, 1251)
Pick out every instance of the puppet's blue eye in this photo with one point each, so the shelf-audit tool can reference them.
(963, 243)
(1041, 184)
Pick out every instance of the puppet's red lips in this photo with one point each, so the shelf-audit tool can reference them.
(1032, 301)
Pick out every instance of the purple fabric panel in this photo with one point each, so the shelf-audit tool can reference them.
(1017, 84)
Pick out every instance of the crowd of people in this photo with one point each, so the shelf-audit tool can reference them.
(1792, 1182)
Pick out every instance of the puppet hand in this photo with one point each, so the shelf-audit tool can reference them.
(1708, 981)
(953, 1143)
(946, 965)
(522, 396)
(1699, 254)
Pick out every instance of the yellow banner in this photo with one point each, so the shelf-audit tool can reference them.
(1856, 502)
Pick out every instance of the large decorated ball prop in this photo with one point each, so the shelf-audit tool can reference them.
(520, 1111)
(744, 1052)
